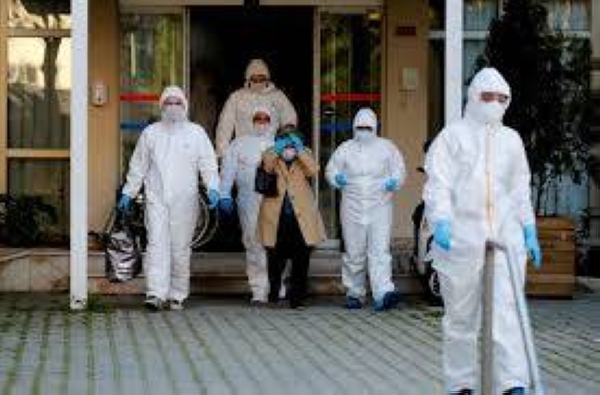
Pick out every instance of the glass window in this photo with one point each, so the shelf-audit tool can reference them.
(479, 13)
(39, 91)
(48, 179)
(569, 14)
(437, 14)
(435, 113)
(39, 14)
(151, 58)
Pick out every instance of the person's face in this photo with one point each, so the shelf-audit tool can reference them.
(261, 122)
(489, 97)
(258, 79)
(172, 102)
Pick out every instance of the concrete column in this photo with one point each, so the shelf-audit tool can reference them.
(79, 155)
(454, 59)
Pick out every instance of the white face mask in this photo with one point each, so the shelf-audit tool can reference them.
(262, 128)
(492, 112)
(288, 154)
(363, 135)
(258, 86)
(173, 113)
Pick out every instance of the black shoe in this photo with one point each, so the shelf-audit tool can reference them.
(152, 303)
(296, 304)
(515, 391)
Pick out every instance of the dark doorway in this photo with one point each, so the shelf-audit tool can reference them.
(224, 39)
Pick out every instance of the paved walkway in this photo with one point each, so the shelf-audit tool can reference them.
(224, 347)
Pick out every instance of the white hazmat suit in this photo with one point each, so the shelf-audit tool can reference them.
(236, 117)
(478, 181)
(167, 160)
(366, 208)
(241, 159)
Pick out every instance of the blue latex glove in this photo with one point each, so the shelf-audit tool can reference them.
(441, 234)
(226, 204)
(298, 144)
(280, 144)
(392, 184)
(213, 198)
(124, 202)
(341, 180)
(532, 245)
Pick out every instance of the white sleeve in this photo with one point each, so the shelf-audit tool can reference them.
(521, 192)
(138, 166)
(229, 169)
(440, 165)
(226, 125)
(335, 166)
(207, 165)
(396, 164)
(287, 113)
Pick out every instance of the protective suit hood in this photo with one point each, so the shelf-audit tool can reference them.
(270, 129)
(257, 67)
(365, 117)
(487, 80)
(173, 91)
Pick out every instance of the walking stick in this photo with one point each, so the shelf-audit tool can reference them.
(522, 315)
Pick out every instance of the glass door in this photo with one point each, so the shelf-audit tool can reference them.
(350, 77)
(152, 56)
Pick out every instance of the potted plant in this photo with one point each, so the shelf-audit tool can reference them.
(549, 76)
(23, 220)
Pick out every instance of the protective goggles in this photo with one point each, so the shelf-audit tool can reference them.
(363, 128)
(488, 97)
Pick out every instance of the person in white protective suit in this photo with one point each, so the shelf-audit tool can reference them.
(240, 162)
(368, 170)
(478, 188)
(168, 157)
(235, 119)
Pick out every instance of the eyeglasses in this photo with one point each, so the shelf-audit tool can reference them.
(488, 97)
(364, 128)
(173, 103)
(257, 79)
(262, 119)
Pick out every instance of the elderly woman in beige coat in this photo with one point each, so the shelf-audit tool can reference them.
(289, 224)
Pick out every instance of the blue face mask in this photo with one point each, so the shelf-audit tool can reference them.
(289, 154)
(363, 135)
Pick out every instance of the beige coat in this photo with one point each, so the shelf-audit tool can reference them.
(294, 181)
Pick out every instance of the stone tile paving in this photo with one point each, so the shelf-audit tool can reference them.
(222, 346)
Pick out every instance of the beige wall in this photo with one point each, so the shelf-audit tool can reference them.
(405, 108)
(103, 121)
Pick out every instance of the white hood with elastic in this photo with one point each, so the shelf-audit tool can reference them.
(365, 117)
(257, 67)
(486, 80)
(176, 92)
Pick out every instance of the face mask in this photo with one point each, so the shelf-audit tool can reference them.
(363, 135)
(173, 113)
(492, 112)
(258, 86)
(262, 128)
(288, 154)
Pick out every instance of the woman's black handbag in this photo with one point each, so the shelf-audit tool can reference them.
(265, 183)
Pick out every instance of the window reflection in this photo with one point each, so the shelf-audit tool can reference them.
(479, 13)
(39, 14)
(39, 91)
(569, 14)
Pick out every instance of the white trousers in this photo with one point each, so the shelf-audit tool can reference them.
(167, 261)
(367, 245)
(461, 286)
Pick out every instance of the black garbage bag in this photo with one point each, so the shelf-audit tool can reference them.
(123, 251)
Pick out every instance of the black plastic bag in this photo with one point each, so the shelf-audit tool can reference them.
(265, 183)
(123, 252)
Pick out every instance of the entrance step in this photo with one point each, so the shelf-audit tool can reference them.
(47, 270)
